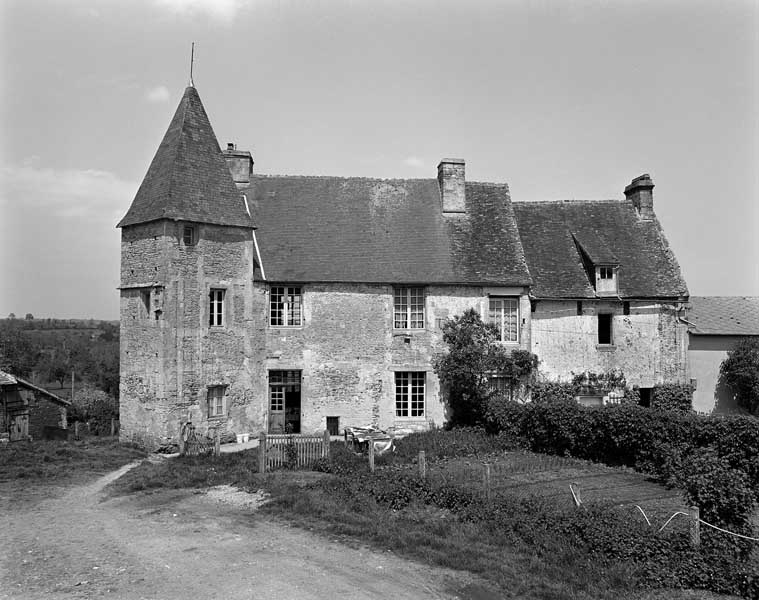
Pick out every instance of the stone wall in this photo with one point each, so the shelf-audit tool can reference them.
(348, 352)
(170, 355)
(649, 345)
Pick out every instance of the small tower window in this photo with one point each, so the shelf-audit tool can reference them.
(188, 235)
(216, 308)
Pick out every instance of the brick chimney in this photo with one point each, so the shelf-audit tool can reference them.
(450, 177)
(240, 164)
(639, 192)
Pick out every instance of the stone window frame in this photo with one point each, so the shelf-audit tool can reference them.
(602, 320)
(289, 312)
(410, 394)
(216, 307)
(498, 318)
(406, 307)
(216, 401)
(189, 235)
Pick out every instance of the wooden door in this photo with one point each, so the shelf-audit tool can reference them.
(19, 427)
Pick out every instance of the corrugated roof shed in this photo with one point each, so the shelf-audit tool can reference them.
(724, 315)
(188, 179)
(332, 229)
(647, 266)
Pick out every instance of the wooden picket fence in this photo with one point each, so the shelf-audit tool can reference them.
(191, 443)
(291, 451)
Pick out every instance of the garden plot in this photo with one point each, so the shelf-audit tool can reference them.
(525, 474)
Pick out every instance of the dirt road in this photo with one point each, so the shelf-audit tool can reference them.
(73, 543)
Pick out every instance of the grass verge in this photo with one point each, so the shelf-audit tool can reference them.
(61, 460)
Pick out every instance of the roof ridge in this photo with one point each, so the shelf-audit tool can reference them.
(573, 201)
(501, 184)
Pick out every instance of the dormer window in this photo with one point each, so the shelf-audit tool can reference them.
(606, 280)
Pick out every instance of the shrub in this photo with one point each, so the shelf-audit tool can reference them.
(550, 391)
(672, 396)
(740, 371)
(472, 357)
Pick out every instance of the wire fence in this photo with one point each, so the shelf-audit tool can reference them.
(565, 480)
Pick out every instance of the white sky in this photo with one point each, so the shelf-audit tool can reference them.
(559, 99)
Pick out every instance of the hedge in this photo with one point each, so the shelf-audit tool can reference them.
(701, 454)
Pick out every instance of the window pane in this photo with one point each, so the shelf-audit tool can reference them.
(400, 308)
(417, 394)
(401, 394)
(294, 301)
(277, 293)
(416, 303)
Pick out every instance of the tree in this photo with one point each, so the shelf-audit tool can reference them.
(29, 317)
(740, 371)
(17, 355)
(473, 357)
(12, 316)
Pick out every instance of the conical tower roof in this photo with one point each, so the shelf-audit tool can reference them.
(188, 179)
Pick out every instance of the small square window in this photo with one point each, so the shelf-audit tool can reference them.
(216, 401)
(216, 308)
(626, 308)
(408, 308)
(188, 235)
(286, 306)
(605, 273)
(501, 385)
(579, 308)
(605, 329)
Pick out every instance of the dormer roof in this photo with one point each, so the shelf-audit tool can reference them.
(188, 179)
(556, 234)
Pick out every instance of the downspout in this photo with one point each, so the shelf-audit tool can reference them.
(258, 256)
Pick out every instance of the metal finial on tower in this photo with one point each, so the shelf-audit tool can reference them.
(192, 61)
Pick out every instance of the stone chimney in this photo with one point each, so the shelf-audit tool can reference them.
(450, 177)
(639, 192)
(240, 164)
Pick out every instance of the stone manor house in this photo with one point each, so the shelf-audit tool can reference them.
(253, 302)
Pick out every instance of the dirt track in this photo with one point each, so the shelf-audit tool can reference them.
(70, 543)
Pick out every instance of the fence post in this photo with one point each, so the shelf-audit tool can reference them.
(371, 455)
(113, 426)
(262, 452)
(216, 442)
(422, 464)
(76, 430)
(325, 448)
(486, 475)
(695, 526)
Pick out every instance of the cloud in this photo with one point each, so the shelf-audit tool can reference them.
(157, 94)
(86, 194)
(413, 161)
(221, 10)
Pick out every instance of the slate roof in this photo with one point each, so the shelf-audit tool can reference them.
(724, 315)
(188, 179)
(8, 379)
(332, 229)
(610, 232)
